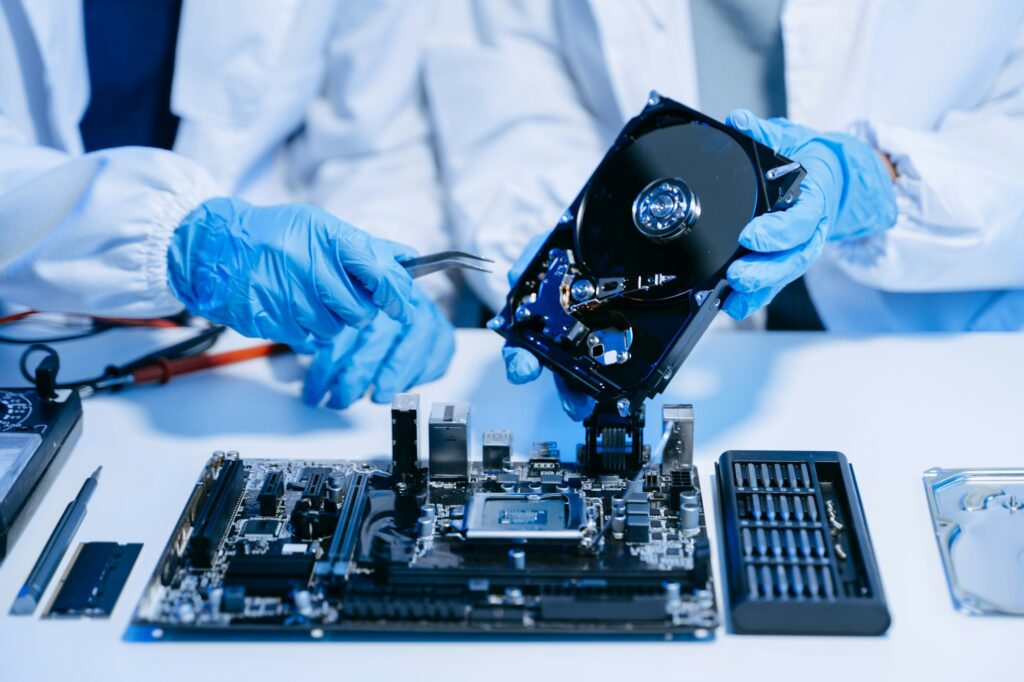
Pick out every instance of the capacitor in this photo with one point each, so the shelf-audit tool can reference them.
(673, 593)
(689, 518)
(428, 512)
(335, 485)
(517, 559)
(619, 523)
(186, 613)
(304, 603)
(425, 527)
(688, 497)
(216, 595)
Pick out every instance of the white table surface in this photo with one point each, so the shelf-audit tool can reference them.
(895, 405)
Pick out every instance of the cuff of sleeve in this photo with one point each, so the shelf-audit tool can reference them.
(170, 210)
(893, 142)
(873, 261)
(956, 228)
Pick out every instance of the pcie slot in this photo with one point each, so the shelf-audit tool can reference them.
(216, 513)
(343, 542)
(271, 493)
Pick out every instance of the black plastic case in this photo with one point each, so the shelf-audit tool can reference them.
(798, 557)
(57, 422)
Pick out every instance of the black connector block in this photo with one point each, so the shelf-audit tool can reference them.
(405, 450)
(270, 493)
(215, 515)
(497, 450)
(269, 575)
(615, 443)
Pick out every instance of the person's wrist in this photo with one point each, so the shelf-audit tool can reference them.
(887, 163)
(868, 201)
(179, 250)
(187, 257)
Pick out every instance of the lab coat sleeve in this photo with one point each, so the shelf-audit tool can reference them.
(515, 138)
(367, 152)
(89, 234)
(960, 194)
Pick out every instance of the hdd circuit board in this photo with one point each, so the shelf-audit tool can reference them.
(316, 548)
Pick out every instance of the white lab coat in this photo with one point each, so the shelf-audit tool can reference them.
(939, 86)
(89, 233)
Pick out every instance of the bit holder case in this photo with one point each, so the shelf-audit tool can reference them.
(798, 556)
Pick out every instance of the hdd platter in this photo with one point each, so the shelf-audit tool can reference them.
(634, 273)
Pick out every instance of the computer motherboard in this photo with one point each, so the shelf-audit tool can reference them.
(613, 543)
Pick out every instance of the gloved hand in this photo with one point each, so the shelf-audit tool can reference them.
(846, 194)
(522, 366)
(292, 273)
(390, 356)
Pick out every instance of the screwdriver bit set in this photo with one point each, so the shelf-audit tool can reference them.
(798, 556)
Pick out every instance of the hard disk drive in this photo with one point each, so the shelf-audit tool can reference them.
(634, 272)
(979, 526)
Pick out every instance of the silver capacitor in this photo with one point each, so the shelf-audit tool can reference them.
(689, 518)
(688, 497)
(517, 559)
(335, 487)
(619, 524)
(304, 603)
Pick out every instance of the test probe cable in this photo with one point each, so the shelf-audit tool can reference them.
(159, 367)
(82, 326)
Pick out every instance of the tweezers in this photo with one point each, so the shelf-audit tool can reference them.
(435, 262)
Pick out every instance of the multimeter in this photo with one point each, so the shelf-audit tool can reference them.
(36, 433)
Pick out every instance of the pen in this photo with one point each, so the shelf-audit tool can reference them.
(54, 550)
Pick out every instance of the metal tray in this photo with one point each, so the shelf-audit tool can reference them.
(978, 515)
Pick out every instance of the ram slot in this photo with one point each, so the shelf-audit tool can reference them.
(216, 513)
(343, 543)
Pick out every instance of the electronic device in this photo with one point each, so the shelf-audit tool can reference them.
(978, 515)
(797, 550)
(94, 580)
(616, 545)
(634, 272)
(37, 430)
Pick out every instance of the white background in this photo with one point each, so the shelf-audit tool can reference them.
(895, 405)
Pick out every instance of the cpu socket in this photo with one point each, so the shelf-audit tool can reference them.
(525, 517)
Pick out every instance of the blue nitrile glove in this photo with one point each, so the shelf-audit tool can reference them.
(292, 273)
(522, 366)
(390, 356)
(846, 194)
